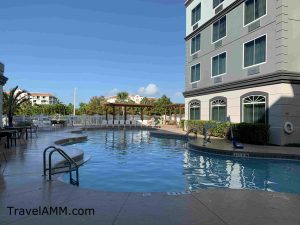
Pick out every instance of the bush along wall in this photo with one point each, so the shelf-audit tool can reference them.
(243, 132)
(257, 134)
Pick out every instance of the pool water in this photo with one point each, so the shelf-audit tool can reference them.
(132, 161)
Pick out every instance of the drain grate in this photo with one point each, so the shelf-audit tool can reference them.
(179, 193)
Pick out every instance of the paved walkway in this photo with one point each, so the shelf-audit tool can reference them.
(22, 186)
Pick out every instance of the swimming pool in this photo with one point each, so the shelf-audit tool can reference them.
(132, 161)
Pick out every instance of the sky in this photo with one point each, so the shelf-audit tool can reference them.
(98, 47)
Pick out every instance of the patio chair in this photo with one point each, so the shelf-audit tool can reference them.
(110, 123)
(121, 123)
(128, 123)
(33, 130)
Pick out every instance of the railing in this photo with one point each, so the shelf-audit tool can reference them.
(69, 161)
(80, 120)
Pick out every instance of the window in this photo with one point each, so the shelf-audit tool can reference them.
(196, 14)
(254, 109)
(218, 110)
(217, 2)
(196, 44)
(219, 65)
(254, 9)
(255, 52)
(195, 73)
(195, 110)
(219, 29)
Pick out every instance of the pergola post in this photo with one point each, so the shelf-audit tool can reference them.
(165, 116)
(175, 109)
(106, 114)
(125, 115)
(180, 113)
(114, 111)
(142, 116)
(170, 115)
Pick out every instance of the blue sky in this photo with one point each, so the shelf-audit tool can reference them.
(99, 47)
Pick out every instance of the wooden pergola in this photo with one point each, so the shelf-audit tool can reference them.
(125, 106)
(174, 108)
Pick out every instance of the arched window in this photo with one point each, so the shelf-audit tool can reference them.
(254, 109)
(195, 110)
(218, 109)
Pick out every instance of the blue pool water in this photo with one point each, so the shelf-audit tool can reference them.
(132, 161)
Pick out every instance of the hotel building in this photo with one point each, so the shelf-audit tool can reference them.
(43, 99)
(243, 61)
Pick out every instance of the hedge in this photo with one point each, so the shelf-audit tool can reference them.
(252, 133)
(243, 132)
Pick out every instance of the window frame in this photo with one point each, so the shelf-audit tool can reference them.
(191, 44)
(244, 12)
(218, 4)
(255, 93)
(244, 43)
(189, 109)
(212, 30)
(211, 62)
(191, 73)
(214, 99)
(192, 14)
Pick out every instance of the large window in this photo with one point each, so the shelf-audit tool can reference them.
(254, 109)
(218, 110)
(219, 29)
(195, 110)
(196, 44)
(195, 73)
(196, 14)
(255, 51)
(217, 2)
(219, 65)
(254, 9)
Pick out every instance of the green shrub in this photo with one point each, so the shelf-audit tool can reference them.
(243, 132)
(252, 133)
(218, 129)
(182, 124)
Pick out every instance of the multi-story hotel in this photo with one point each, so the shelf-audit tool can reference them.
(243, 61)
(43, 99)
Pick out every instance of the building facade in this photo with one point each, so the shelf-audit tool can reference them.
(3, 81)
(43, 99)
(135, 98)
(243, 61)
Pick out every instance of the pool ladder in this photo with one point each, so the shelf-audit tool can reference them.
(70, 163)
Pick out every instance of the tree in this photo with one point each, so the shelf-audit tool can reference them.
(13, 101)
(96, 105)
(160, 104)
(122, 96)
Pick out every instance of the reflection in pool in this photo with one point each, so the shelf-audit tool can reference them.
(131, 160)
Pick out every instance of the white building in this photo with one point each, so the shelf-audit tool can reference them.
(43, 99)
(136, 98)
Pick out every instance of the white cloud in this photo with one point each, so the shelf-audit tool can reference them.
(113, 91)
(150, 90)
(178, 94)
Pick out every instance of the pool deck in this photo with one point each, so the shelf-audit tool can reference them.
(221, 146)
(23, 186)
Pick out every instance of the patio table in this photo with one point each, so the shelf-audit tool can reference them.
(20, 129)
(7, 134)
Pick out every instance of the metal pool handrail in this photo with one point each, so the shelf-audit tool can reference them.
(69, 160)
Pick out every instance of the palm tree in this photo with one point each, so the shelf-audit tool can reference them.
(122, 96)
(12, 102)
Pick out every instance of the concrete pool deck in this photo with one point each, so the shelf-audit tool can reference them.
(23, 186)
(221, 146)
